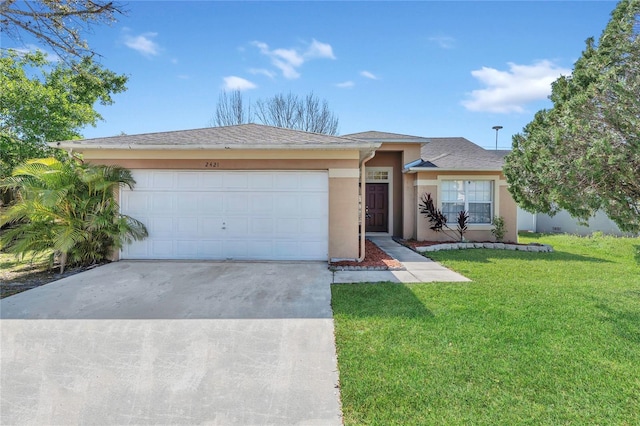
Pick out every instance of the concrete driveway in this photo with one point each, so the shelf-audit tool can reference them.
(173, 343)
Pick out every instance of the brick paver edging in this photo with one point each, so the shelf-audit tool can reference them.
(367, 268)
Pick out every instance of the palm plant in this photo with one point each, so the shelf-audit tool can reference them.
(69, 209)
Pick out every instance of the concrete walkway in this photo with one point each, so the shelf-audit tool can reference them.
(419, 269)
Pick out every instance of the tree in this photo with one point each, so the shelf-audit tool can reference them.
(231, 110)
(291, 111)
(58, 24)
(583, 154)
(69, 209)
(40, 104)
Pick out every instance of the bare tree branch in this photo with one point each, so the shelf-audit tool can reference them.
(58, 24)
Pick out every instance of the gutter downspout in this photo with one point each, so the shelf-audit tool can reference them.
(363, 197)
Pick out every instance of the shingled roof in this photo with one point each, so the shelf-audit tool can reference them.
(243, 136)
(456, 153)
(386, 137)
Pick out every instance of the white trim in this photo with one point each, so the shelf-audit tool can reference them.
(344, 173)
(389, 182)
(426, 182)
(496, 195)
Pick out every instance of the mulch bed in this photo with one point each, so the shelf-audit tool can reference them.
(31, 277)
(375, 257)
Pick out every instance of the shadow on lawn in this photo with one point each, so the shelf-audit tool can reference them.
(377, 300)
(490, 255)
(637, 255)
(624, 322)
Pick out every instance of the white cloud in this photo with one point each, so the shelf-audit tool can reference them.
(445, 42)
(346, 84)
(509, 91)
(262, 71)
(143, 43)
(237, 83)
(369, 75)
(289, 60)
(319, 50)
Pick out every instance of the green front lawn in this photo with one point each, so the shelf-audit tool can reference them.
(536, 338)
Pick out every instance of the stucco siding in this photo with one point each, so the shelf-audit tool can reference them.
(343, 218)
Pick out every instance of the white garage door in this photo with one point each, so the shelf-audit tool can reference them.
(244, 215)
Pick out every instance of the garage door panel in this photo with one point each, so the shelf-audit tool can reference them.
(236, 204)
(210, 249)
(229, 215)
(162, 180)
(236, 227)
(313, 206)
(187, 203)
(261, 204)
(162, 204)
(313, 182)
(161, 248)
(260, 181)
(135, 203)
(161, 226)
(188, 180)
(236, 181)
(210, 227)
(287, 226)
(259, 250)
(211, 202)
(187, 248)
(261, 226)
(211, 181)
(287, 204)
(236, 249)
(188, 226)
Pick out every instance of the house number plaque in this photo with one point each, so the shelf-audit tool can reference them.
(211, 164)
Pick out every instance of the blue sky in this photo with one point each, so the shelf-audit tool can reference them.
(419, 68)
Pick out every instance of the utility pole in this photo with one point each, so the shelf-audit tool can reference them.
(496, 128)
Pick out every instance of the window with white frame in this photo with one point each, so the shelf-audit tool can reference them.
(472, 196)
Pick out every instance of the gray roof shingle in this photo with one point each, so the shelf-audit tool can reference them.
(459, 154)
(373, 135)
(240, 136)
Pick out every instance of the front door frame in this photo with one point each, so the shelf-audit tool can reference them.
(385, 177)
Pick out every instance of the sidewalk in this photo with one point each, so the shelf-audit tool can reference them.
(419, 269)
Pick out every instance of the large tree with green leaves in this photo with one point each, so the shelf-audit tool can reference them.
(583, 154)
(41, 102)
(67, 208)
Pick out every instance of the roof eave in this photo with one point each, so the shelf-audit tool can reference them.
(222, 147)
(441, 169)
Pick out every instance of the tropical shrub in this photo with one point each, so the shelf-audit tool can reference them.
(498, 229)
(438, 221)
(67, 208)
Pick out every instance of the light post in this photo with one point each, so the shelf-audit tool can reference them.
(496, 128)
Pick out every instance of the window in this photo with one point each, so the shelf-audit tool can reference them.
(377, 175)
(473, 196)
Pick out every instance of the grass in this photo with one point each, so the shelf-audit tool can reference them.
(536, 338)
(18, 275)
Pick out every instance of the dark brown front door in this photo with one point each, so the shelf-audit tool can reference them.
(377, 207)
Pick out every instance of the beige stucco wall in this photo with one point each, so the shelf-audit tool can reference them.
(392, 159)
(343, 218)
(429, 182)
(343, 168)
(403, 210)
(410, 206)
